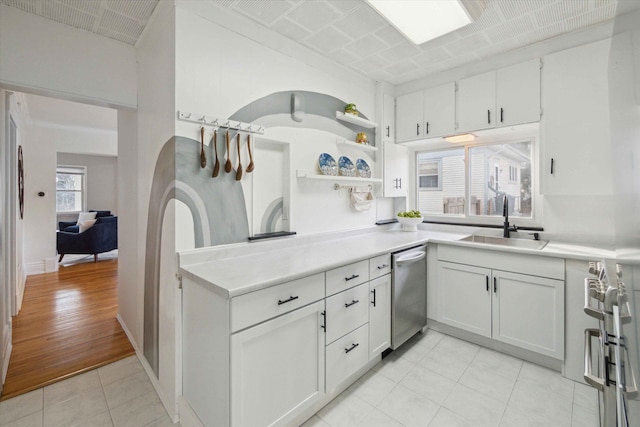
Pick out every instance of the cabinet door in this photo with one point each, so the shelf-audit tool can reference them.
(528, 312)
(284, 354)
(440, 110)
(409, 115)
(379, 315)
(464, 297)
(518, 94)
(346, 311)
(477, 102)
(396, 170)
(575, 122)
(388, 118)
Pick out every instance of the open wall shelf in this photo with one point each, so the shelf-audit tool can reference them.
(306, 174)
(355, 120)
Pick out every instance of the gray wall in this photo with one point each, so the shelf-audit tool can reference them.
(102, 175)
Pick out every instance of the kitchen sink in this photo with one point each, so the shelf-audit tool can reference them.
(502, 241)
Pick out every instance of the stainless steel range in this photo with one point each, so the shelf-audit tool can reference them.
(608, 366)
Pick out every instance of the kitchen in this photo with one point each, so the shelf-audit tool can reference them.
(585, 216)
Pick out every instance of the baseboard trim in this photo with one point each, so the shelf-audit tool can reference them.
(47, 265)
(173, 414)
(188, 417)
(7, 348)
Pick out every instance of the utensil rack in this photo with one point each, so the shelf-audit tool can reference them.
(220, 123)
(349, 187)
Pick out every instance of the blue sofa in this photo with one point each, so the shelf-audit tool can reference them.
(102, 237)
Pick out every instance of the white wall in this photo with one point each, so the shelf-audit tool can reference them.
(5, 310)
(102, 176)
(65, 62)
(81, 140)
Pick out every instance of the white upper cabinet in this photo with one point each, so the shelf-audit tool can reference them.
(506, 97)
(396, 170)
(388, 119)
(577, 155)
(409, 116)
(518, 94)
(440, 110)
(477, 102)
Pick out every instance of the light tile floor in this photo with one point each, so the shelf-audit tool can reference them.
(118, 394)
(434, 380)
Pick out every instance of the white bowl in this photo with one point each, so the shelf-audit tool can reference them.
(409, 224)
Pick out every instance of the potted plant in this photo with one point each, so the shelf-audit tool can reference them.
(351, 109)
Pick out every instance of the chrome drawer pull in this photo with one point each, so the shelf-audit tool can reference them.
(280, 302)
(354, 301)
(354, 276)
(347, 350)
(380, 267)
(374, 297)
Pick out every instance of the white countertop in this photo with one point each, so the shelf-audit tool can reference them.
(230, 273)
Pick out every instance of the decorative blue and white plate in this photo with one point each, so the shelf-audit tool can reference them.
(346, 166)
(328, 165)
(364, 171)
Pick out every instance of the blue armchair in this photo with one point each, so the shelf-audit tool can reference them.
(102, 237)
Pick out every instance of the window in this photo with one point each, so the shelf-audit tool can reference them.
(71, 188)
(493, 171)
(429, 174)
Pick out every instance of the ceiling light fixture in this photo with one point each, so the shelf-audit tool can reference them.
(464, 137)
(424, 20)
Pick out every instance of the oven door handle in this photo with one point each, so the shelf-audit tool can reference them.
(592, 380)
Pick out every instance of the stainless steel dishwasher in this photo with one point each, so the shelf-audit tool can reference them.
(408, 294)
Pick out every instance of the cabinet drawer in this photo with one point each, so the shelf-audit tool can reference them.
(345, 356)
(255, 307)
(346, 311)
(347, 277)
(379, 266)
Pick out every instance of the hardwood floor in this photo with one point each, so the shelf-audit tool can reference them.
(67, 326)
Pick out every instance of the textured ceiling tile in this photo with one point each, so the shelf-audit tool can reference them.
(345, 6)
(497, 48)
(380, 75)
(400, 52)
(373, 62)
(344, 57)
(314, 15)
(511, 29)
(591, 18)
(361, 21)
(67, 15)
(30, 6)
(89, 6)
(390, 35)
(290, 29)
(543, 33)
(139, 9)
(117, 36)
(403, 67)
(366, 46)
(559, 11)
(116, 23)
(327, 40)
(513, 8)
(440, 41)
(433, 56)
(458, 61)
(468, 44)
(265, 12)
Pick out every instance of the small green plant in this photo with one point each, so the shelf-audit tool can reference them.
(410, 214)
(350, 108)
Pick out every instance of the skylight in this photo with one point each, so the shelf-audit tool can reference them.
(423, 20)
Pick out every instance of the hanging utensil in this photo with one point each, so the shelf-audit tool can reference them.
(228, 166)
(239, 170)
(216, 166)
(251, 165)
(203, 157)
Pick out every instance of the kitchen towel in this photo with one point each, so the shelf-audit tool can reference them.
(361, 198)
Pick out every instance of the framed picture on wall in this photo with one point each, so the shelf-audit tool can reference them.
(21, 181)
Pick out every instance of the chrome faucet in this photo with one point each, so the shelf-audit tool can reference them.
(506, 230)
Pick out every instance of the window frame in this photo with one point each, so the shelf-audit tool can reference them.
(82, 170)
(439, 175)
(466, 218)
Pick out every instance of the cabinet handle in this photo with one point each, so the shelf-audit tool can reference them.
(418, 129)
(374, 297)
(400, 181)
(487, 277)
(280, 302)
(347, 350)
(427, 129)
(552, 166)
(501, 115)
(324, 321)
(495, 285)
(346, 279)
(489, 116)
(388, 131)
(380, 267)
(354, 301)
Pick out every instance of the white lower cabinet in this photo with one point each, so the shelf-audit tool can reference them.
(519, 309)
(346, 356)
(277, 368)
(379, 316)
